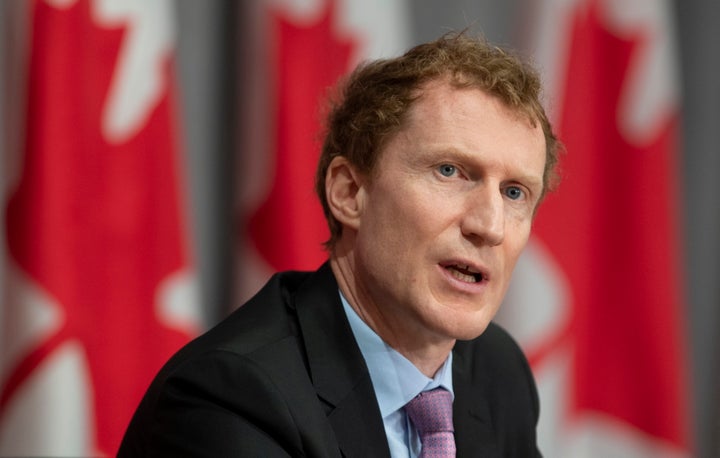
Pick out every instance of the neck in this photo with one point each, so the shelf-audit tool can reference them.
(427, 351)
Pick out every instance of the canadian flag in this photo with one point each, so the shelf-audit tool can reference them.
(597, 298)
(299, 49)
(100, 288)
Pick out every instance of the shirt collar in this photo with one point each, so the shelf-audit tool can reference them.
(396, 380)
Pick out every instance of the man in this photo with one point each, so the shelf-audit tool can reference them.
(432, 170)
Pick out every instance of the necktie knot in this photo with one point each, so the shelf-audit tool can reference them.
(431, 414)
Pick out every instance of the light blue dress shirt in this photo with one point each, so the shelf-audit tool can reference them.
(396, 381)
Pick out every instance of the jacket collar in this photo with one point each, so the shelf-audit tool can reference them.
(474, 432)
(337, 368)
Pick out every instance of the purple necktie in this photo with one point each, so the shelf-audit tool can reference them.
(431, 413)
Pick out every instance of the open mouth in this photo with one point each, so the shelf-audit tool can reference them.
(464, 273)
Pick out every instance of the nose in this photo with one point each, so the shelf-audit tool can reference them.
(484, 216)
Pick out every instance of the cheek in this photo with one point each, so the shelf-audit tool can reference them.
(394, 217)
(389, 242)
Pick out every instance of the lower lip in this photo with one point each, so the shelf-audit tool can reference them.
(470, 288)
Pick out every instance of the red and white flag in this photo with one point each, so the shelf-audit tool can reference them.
(299, 49)
(597, 300)
(100, 290)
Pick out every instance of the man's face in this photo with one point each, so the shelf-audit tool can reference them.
(445, 214)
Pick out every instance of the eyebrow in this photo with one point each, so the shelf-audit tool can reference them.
(454, 153)
(531, 180)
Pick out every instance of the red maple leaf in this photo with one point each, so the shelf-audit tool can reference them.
(618, 249)
(309, 58)
(96, 225)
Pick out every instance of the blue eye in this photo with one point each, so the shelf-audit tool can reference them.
(447, 170)
(514, 193)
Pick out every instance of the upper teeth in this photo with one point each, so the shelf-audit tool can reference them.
(466, 267)
(464, 277)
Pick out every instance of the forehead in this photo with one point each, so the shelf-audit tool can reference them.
(446, 96)
(471, 120)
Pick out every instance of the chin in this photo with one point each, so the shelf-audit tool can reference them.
(466, 328)
(471, 333)
(469, 324)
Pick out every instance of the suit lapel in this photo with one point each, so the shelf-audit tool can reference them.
(474, 433)
(338, 370)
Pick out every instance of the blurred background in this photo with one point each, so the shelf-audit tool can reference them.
(156, 167)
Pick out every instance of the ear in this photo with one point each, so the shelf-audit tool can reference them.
(344, 188)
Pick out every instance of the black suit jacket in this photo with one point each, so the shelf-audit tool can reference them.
(283, 376)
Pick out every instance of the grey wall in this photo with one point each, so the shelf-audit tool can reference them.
(207, 65)
(699, 35)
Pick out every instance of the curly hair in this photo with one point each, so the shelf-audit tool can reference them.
(375, 98)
